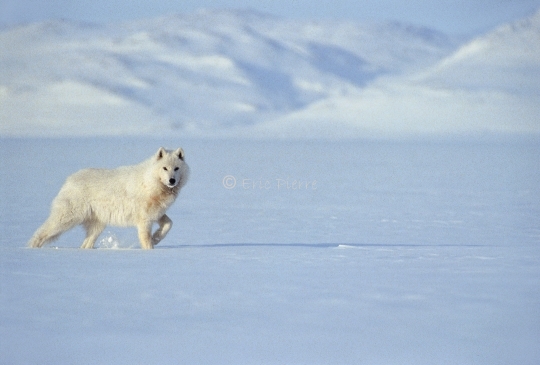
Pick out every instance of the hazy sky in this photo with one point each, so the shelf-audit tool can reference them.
(450, 16)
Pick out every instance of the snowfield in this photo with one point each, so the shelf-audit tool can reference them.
(359, 194)
(418, 252)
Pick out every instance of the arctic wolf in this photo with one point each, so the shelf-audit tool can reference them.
(137, 195)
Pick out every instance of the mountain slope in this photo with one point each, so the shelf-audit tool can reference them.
(225, 73)
(489, 85)
(198, 74)
(506, 59)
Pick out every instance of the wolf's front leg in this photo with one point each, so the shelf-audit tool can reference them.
(145, 230)
(165, 224)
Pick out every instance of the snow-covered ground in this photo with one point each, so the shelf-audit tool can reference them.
(418, 252)
(419, 246)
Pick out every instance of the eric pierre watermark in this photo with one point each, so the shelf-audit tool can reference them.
(231, 182)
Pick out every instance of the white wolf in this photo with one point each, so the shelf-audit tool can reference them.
(135, 195)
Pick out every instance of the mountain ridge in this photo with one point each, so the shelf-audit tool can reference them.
(218, 73)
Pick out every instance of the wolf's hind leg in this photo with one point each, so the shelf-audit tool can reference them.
(93, 230)
(45, 234)
(165, 224)
(53, 227)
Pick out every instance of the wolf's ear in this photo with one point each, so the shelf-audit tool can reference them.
(160, 153)
(180, 153)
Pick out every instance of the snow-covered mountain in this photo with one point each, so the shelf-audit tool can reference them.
(233, 73)
(490, 84)
(506, 59)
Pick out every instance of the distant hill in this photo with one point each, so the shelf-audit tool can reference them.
(245, 74)
(506, 59)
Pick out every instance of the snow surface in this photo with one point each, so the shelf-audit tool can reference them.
(233, 73)
(354, 252)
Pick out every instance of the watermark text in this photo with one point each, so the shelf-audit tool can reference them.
(231, 182)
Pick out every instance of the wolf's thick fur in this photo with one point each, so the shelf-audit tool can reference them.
(137, 195)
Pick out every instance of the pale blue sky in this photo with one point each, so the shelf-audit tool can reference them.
(450, 16)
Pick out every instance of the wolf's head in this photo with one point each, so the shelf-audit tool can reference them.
(171, 167)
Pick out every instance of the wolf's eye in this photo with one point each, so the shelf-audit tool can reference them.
(176, 168)
(166, 169)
